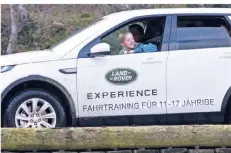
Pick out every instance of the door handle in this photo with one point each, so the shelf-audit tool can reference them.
(229, 53)
(151, 60)
(226, 55)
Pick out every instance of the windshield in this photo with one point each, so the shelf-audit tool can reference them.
(76, 33)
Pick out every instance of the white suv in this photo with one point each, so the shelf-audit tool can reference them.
(84, 81)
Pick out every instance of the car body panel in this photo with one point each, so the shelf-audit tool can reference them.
(29, 57)
(197, 79)
(50, 70)
(91, 81)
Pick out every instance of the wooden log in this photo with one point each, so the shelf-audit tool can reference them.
(115, 137)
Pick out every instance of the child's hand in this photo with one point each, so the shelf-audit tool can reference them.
(131, 52)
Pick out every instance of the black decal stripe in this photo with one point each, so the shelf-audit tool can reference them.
(68, 71)
(158, 119)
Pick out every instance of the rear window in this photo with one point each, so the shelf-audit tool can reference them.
(202, 37)
(194, 32)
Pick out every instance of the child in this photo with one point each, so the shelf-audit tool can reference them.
(127, 42)
(129, 46)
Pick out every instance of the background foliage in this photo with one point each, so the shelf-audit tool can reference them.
(48, 24)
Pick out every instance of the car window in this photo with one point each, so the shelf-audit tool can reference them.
(202, 32)
(113, 40)
(195, 38)
(153, 31)
(230, 17)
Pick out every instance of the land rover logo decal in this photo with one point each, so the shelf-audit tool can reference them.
(121, 76)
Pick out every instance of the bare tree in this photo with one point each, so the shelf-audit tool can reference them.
(19, 18)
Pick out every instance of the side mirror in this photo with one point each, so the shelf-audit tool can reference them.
(100, 49)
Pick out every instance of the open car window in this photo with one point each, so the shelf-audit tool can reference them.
(113, 38)
(153, 33)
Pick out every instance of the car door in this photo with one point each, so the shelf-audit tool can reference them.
(197, 69)
(124, 88)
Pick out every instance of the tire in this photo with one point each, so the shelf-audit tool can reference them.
(228, 112)
(35, 118)
(228, 117)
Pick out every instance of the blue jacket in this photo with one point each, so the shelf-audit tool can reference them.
(143, 48)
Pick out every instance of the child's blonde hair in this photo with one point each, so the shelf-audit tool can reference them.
(122, 36)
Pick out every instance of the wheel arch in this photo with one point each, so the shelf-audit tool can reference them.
(21, 83)
(226, 102)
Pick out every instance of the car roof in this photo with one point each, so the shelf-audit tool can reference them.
(142, 12)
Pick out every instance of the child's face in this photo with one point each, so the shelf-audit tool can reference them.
(129, 42)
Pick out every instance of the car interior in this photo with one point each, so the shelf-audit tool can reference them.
(154, 31)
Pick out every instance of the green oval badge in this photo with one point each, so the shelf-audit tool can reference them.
(121, 76)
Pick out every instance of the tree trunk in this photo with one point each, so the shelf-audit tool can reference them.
(19, 17)
(115, 137)
(14, 29)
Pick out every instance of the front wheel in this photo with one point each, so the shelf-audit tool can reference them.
(34, 109)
